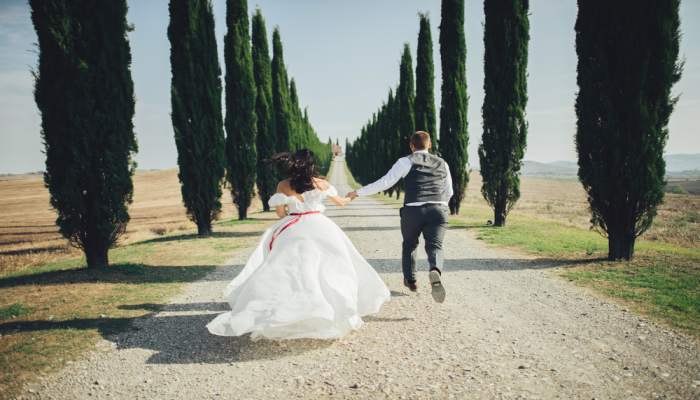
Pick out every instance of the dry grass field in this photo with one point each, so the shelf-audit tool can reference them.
(563, 201)
(29, 236)
(44, 282)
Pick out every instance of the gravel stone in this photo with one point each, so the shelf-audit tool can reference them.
(502, 311)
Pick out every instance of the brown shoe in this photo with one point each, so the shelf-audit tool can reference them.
(412, 286)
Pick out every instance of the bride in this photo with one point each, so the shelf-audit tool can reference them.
(305, 279)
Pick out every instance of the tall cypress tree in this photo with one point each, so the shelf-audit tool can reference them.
(425, 83)
(240, 107)
(406, 99)
(297, 141)
(627, 65)
(454, 102)
(280, 95)
(85, 94)
(502, 147)
(404, 116)
(196, 109)
(266, 141)
(393, 137)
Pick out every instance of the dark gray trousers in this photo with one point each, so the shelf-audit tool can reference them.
(431, 220)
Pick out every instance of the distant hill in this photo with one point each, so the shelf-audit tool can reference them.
(534, 168)
(565, 164)
(682, 162)
(678, 166)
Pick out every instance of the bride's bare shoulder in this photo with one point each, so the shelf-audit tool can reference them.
(322, 184)
(284, 186)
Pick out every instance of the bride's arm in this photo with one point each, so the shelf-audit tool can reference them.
(281, 209)
(281, 212)
(339, 201)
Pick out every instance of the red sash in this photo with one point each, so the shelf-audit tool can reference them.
(290, 223)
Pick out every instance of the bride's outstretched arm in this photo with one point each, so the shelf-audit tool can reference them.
(339, 201)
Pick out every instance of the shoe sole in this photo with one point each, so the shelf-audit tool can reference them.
(438, 290)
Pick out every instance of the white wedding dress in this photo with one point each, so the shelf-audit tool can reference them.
(312, 284)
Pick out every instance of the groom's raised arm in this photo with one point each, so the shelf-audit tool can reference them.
(398, 171)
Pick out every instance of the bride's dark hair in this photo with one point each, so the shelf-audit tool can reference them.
(301, 166)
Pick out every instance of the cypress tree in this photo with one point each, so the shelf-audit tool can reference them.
(240, 107)
(406, 99)
(297, 141)
(196, 109)
(454, 102)
(404, 116)
(627, 65)
(280, 95)
(425, 83)
(392, 134)
(502, 147)
(266, 140)
(85, 94)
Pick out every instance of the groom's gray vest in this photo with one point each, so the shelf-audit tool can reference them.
(426, 179)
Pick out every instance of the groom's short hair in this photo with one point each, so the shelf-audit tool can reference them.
(420, 140)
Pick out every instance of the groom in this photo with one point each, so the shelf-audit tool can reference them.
(428, 186)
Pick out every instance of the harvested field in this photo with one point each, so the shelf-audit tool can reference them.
(29, 235)
(566, 202)
(690, 186)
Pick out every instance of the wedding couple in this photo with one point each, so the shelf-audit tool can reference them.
(306, 279)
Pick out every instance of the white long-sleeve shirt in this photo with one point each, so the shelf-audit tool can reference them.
(398, 171)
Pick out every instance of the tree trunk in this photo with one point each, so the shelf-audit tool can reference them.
(621, 245)
(203, 228)
(499, 215)
(398, 194)
(97, 257)
(266, 207)
(454, 206)
(242, 214)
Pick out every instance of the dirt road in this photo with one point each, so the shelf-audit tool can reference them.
(508, 329)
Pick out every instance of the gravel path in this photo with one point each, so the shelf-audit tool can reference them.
(506, 330)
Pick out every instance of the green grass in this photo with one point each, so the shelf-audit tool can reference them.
(234, 222)
(330, 170)
(351, 179)
(663, 286)
(544, 237)
(15, 310)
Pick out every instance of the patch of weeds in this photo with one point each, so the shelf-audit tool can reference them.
(15, 311)
(675, 189)
(688, 217)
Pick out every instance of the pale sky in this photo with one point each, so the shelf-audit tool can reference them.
(344, 57)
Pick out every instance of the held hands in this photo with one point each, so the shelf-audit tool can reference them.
(352, 195)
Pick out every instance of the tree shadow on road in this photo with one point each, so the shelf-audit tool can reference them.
(179, 339)
(122, 272)
(215, 235)
(481, 264)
